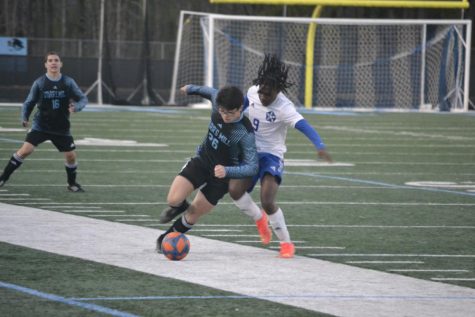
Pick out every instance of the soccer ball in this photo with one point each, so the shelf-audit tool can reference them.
(175, 246)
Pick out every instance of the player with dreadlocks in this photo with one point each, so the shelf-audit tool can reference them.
(271, 113)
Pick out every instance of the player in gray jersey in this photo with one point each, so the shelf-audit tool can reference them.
(227, 151)
(56, 97)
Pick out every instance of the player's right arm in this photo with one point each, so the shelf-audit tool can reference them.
(30, 103)
(249, 162)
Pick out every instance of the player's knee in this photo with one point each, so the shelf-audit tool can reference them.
(173, 200)
(268, 206)
(237, 189)
(70, 157)
(236, 193)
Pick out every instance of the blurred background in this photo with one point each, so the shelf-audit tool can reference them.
(139, 41)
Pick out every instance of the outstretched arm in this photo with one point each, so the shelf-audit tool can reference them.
(203, 91)
(312, 134)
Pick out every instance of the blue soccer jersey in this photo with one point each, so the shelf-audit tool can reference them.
(53, 98)
(229, 144)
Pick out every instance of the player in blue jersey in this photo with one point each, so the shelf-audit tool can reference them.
(271, 113)
(228, 151)
(56, 97)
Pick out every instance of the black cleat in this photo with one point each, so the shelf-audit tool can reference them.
(170, 213)
(75, 188)
(158, 247)
(2, 181)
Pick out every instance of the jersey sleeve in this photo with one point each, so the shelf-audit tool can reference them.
(250, 163)
(77, 95)
(312, 134)
(31, 100)
(291, 115)
(209, 93)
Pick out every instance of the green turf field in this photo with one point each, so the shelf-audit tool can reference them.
(400, 199)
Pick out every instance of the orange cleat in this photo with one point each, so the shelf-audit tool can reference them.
(263, 229)
(287, 250)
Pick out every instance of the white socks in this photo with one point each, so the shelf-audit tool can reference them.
(248, 206)
(277, 221)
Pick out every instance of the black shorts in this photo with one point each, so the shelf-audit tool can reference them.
(199, 174)
(64, 143)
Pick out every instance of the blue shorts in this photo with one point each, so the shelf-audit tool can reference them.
(268, 164)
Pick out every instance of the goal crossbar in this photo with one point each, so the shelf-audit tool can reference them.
(430, 4)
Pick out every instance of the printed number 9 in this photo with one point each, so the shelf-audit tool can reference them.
(255, 122)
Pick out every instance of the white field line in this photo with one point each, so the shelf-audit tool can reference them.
(187, 151)
(342, 290)
(298, 187)
(92, 211)
(345, 226)
(230, 235)
(284, 203)
(112, 215)
(8, 195)
(311, 247)
(135, 220)
(425, 174)
(385, 262)
(272, 242)
(179, 160)
(68, 207)
(358, 145)
(216, 230)
(399, 133)
(442, 279)
(20, 199)
(427, 270)
(402, 255)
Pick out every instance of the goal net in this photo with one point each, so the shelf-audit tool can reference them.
(357, 64)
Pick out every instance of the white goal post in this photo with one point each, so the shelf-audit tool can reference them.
(359, 64)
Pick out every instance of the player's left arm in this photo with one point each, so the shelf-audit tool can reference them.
(312, 134)
(80, 99)
(206, 92)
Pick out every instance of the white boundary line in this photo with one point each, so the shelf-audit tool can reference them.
(312, 284)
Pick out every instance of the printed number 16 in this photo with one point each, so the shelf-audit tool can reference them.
(55, 103)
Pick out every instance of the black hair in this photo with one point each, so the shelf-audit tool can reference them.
(230, 97)
(273, 73)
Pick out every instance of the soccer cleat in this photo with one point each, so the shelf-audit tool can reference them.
(2, 180)
(158, 247)
(75, 188)
(287, 250)
(170, 213)
(263, 229)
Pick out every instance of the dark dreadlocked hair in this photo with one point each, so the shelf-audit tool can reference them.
(273, 73)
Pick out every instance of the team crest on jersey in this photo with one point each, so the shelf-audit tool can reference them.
(270, 116)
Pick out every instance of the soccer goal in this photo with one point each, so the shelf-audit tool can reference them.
(359, 64)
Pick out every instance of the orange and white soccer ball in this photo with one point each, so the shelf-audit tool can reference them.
(175, 246)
